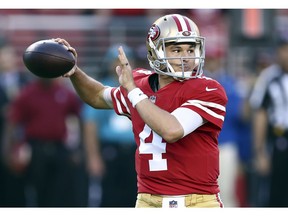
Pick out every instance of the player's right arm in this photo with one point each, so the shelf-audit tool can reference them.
(90, 90)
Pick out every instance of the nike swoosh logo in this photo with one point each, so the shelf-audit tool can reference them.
(210, 89)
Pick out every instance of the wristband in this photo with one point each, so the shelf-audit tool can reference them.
(135, 96)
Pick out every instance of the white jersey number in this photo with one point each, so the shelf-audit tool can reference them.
(156, 148)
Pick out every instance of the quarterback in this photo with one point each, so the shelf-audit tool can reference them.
(177, 114)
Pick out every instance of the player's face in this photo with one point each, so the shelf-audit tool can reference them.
(178, 51)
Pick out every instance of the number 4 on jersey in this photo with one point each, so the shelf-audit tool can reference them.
(156, 148)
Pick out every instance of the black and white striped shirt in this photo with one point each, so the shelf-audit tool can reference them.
(271, 93)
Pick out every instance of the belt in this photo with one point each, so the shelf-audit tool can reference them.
(189, 200)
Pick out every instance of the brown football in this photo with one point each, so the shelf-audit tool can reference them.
(48, 59)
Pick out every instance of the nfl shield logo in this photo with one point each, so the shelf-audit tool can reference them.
(173, 204)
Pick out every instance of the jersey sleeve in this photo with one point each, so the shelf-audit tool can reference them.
(211, 105)
(120, 101)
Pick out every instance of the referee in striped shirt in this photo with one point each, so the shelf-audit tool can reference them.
(269, 101)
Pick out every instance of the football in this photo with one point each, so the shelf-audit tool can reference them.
(48, 59)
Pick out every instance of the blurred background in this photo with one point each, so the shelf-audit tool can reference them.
(99, 171)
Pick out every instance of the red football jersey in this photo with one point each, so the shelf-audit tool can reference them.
(190, 165)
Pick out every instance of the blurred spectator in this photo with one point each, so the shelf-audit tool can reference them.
(256, 186)
(109, 136)
(269, 100)
(12, 80)
(37, 126)
(3, 170)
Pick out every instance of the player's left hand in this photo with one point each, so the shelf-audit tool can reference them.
(124, 71)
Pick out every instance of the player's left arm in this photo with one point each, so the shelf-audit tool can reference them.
(162, 122)
(211, 105)
(170, 126)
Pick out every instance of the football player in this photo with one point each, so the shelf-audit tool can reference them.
(177, 114)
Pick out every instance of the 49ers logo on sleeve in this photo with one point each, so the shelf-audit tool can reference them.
(154, 32)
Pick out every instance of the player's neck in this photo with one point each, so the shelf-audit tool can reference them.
(154, 82)
(157, 81)
(165, 80)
